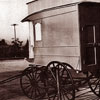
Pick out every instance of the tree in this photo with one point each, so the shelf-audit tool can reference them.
(16, 48)
(3, 49)
(26, 49)
(3, 42)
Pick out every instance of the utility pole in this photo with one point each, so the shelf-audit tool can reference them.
(14, 25)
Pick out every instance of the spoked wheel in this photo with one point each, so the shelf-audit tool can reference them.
(31, 84)
(94, 84)
(70, 68)
(60, 82)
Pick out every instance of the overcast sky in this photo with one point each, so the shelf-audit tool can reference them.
(12, 12)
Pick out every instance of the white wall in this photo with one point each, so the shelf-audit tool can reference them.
(45, 4)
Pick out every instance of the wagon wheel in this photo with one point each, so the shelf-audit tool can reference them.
(60, 82)
(79, 79)
(31, 84)
(94, 84)
(68, 66)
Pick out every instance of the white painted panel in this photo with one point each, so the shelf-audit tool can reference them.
(45, 4)
(31, 40)
(57, 51)
(52, 12)
(44, 60)
(61, 30)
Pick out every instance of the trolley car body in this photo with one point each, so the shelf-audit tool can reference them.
(70, 32)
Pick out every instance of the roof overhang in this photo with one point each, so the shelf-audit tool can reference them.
(47, 12)
(27, 18)
(44, 12)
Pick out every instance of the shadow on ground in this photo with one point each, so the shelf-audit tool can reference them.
(12, 90)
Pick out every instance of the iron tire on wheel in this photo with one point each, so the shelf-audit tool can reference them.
(31, 84)
(62, 85)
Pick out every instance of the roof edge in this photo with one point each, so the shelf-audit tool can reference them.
(48, 9)
(31, 1)
(53, 8)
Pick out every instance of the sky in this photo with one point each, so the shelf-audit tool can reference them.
(12, 12)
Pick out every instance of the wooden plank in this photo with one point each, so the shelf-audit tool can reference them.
(57, 51)
(44, 60)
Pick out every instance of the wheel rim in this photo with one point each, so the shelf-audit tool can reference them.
(31, 84)
(94, 84)
(64, 87)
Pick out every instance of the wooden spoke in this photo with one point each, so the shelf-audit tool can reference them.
(94, 84)
(31, 84)
(60, 74)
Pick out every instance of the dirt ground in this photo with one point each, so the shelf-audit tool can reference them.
(12, 90)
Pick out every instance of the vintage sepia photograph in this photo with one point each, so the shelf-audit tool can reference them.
(49, 49)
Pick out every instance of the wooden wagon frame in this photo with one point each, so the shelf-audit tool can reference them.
(66, 51)
(69, 32)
